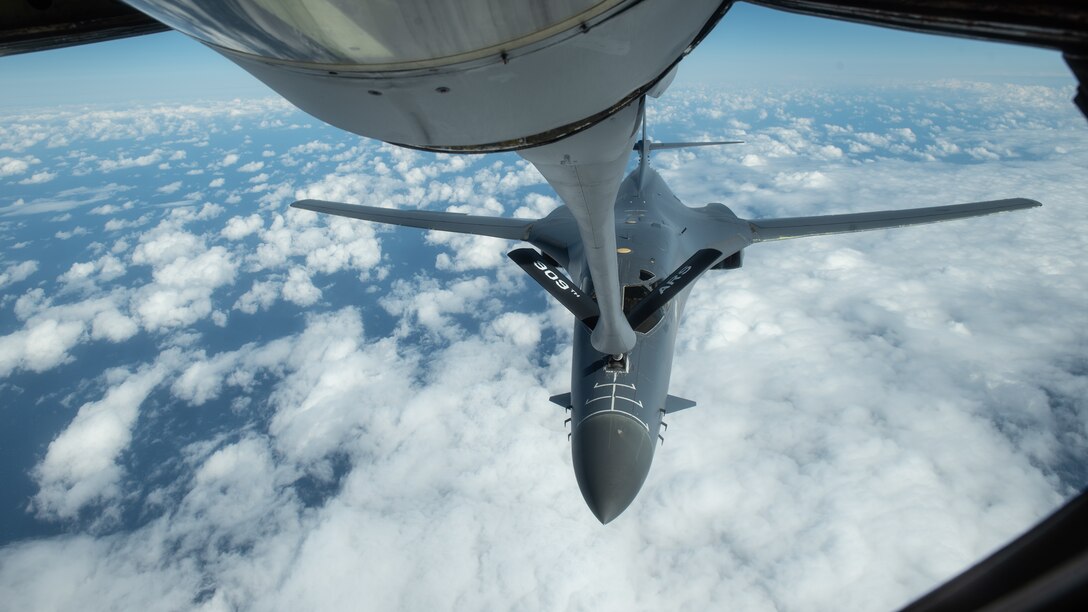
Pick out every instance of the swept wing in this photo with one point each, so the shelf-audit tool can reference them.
(499, 227)
(798, 227)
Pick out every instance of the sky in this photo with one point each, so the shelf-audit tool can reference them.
(752, 45)
(758, 44)
(211, 401)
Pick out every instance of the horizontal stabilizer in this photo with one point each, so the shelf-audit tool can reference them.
(562, 400)
(498, 227)
(797, 227)
(556, 283)
(661, 146)
(676, 404)
(672, 285)
(672, 403)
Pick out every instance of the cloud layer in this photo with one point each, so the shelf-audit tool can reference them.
(266, 409)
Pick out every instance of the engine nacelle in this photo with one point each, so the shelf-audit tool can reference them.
(732, 262)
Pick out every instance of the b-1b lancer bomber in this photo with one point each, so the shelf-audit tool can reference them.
(617, 399)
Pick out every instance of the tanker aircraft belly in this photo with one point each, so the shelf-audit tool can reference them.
(618, 399)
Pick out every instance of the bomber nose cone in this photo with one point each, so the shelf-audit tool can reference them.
(612, 453)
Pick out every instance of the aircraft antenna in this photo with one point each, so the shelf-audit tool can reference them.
(643, 151)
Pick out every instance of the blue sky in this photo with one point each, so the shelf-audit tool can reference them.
(758, 44)
(752, 45)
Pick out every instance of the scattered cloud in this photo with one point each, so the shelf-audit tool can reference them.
(181, 293)
(240, 227)
(123, 162)
(38, 178)
(75, 231)
(42, 345)
(80, 466)
(10, 165)
(170, 187)
(65, 200)
(377, 395)
(260, 297)
(19, 272)
(298, 289)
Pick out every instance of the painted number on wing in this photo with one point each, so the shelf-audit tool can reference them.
(554, 277)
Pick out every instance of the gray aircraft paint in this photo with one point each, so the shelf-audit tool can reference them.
(617, 413)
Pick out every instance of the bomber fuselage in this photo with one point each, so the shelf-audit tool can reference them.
(617, 402)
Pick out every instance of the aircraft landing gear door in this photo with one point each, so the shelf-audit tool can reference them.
(633, 294)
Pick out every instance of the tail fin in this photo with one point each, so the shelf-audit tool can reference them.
(644, 147)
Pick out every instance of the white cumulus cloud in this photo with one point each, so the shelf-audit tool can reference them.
(12, 165)
(80, 466)
(240, 227)
(40, 346)
(38, 178)
(15, 273)
(299, 289)
(170, 187)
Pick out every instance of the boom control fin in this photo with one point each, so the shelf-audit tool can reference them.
(672, 285)
(556, 283)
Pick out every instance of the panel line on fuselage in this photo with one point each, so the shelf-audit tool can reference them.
(612, 397)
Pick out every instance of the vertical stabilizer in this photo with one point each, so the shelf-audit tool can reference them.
(643, 152)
